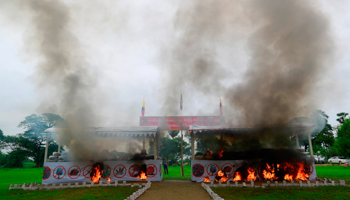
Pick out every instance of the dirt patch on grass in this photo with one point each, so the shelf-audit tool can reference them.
(175, 189)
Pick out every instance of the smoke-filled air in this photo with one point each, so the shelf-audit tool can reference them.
(288, 44)
(289, 47)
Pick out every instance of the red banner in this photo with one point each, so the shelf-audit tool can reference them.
(181, 123)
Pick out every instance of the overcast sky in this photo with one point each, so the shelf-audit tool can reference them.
(123, 42)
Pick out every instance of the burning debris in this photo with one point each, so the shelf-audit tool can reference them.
(221, 177)
(97, 171)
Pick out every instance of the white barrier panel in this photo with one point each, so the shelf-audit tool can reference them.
(69, 172)
(209, 168)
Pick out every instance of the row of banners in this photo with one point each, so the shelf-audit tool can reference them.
(65, 172)
(209, 168)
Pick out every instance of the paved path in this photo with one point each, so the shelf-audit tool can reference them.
(175, 190)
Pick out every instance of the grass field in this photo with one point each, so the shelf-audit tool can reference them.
(329, 192)
(29, 174)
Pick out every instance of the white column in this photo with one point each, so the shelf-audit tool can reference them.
(297, 140)
(310, 144)
(182, 154)
(192, 145)
(155, 147)
(47, 146)
(59, 149)
(143, 143)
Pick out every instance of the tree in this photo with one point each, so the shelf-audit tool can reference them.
(341, 117)
(343, 139)
(31, 144)
(173, 133)
(323, 141)
(171, 148)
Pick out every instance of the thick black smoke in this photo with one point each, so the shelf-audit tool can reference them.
(289, 48)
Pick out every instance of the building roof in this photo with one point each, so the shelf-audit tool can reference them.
(128, 131)
(296, 127)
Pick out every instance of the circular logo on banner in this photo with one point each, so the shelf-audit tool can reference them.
(87, 170)
(46, 173)
(59, 172)
(106, 171)
(228, 168)
(119, 171)
(197, 170)
(151, 170)
(134, 170)
(212, 169)
(74, 172)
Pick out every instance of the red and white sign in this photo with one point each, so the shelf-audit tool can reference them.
(46, 173)
(134, 170)
(59, 172)
(71, 172)
(74, 172)
(228, 168)
(181, 123)
(87, 171)
(197, 170)
(106, 171)
(212, 169)
(151, 170)
(119, 171)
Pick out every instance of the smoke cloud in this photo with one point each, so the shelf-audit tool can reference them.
(289, 53)
(289, 47)
(63, 74)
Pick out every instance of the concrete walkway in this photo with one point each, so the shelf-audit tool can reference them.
(174, 189)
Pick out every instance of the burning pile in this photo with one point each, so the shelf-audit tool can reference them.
(221, 176)
(272, 171)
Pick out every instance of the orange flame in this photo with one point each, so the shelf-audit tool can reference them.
(288, 177)
(206, 180)
(223, 179)
(269, 173)
(142, 176)
(301, 173)
(97, 175)
(208, 151)
(220, 154)
(220, 173)
(108, 179)
(251, 175)
(238, 176)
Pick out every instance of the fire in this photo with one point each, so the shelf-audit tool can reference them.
(301, 173)
(220, 173)
(288, 177)
(222, 176)
(96, 176)
(208, 151)
(238, 176)
(269, 173)
(142, 176)
(206, 180)
(223, 179)
(220, 154)
(251, 175)
(108, 179)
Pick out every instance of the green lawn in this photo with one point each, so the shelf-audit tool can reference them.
(26, 175)
(175, 173)
(329, 192)
(334, 172)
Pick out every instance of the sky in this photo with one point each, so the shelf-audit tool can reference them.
(123, 42)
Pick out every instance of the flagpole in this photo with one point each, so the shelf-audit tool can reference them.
(182, 143)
